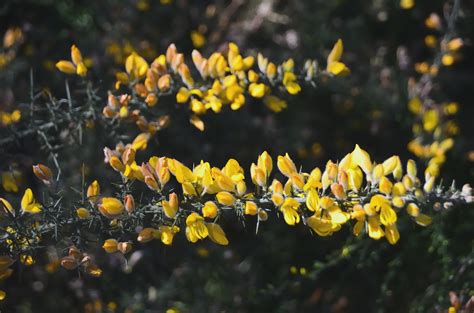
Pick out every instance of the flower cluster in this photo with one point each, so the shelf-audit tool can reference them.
(354, 192)
(9, 118)
(224, 79)
(11, 39)
(434, 127)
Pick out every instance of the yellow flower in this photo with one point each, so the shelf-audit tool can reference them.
(111, 207)
(277, 199)
(209, 209)
(82, 213)
(4, 204)
(423, 220)
(167, 234)
(411, 169)
(147, 234)
(110, 245)
(312, 201)
(374, 229)
(251, 208)
(9, 182)
(322, 225)
(141, 141)
(390, 164)
(77, 65)
(362, 159)
(379, 203)
(385, 185)
(286, 165)
(27, 259)
(429, 184)
(274, 103)
(136, 66)
(265, 163)
(225, 198)
(180, 171)
(289, 81)
(198, 39)
(257, 90)
(93, 190)
(430, 120)
(195, 228)
(216, 234)
(290, 211)
(29, 204)
(407, 4)
(170, 208)
(66, 67)
(333, 65)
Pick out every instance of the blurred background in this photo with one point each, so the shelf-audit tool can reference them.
(386, 43)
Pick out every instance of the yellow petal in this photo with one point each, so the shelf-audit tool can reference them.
(336, 52)
(216, 234)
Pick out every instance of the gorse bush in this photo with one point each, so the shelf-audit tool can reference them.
(140, 181)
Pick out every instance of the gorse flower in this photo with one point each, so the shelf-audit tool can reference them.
(77, 66)
(29, 204)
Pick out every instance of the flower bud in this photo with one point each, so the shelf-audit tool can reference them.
(276, 186)
(225, 198)
(385, 185)
(170, 208)
(110, 245)
(286, 165)
(43, 173)
(429, 184)
(147, 234)
(66, 67)
(297, 181)
(129, 203)
(209, 209)
(151, 100)
(411, 169)
(69, 262)
(241, 188)
(93, 190)
(251, 208)
(83, 213)
(262, 215)
(338, 191)
(277, 199)
(124, 247)
(111, 207)
(128, 156)
(93, 270)
(413, 210)
(116, 164)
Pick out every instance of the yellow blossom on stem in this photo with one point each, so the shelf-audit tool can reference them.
(289, 209)
(111, 207)
(29, 204)
(195, 228)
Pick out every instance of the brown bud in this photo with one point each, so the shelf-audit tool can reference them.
(74, 252)
(112, 102)
(141, 90)
(164, 82)
(338, 191)
(129, 203)
(128, 156)
(69, 262)
(124, 247)
(108, 112)
(164, 121)
(43, 173)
